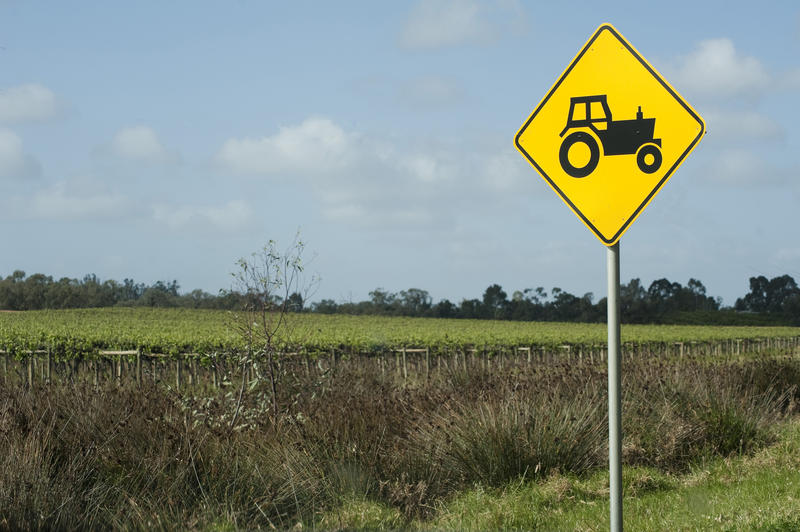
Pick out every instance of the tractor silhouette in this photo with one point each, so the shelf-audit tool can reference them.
(592, 117)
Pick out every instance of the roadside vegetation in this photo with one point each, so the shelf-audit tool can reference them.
(356, 447)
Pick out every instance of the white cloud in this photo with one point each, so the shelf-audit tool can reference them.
(375, 183)
(78, 200)
(743, 167)
(140, 143)
(230, 216)
(14, 162)
(440, 23)
(427, 168)
(743, 126)
(25, 103)
(716, 69)
(317, 144)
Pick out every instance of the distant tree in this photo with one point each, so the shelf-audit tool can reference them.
(12, 293)
(382, 301)
(779, 295)
(131, 291)
(414, 302)
(633, 302)
(161, 294)
(662, 296)
(495, 302)
(471, 309)
(696, 299)
(325, 306)
(35, 289)
(781, 292)
(197, 299)
(295, 302)
(444, 309)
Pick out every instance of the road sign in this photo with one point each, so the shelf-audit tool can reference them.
(609, 134)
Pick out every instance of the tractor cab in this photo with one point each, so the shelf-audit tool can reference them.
(588, 111)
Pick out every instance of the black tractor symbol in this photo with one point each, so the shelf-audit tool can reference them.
(592, 117)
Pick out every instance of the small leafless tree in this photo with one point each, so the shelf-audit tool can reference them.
(270, 283)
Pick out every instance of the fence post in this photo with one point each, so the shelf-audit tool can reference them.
(139, 366)
(49, 366)
(30, 371)
(178, 372)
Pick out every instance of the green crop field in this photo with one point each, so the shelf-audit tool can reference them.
(173, 331)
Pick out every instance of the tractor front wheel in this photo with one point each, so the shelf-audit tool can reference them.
(648, 158)
(594, 154)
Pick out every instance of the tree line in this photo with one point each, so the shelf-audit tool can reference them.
(19, 291)
(769, 301)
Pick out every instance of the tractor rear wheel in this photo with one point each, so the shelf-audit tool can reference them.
(594, 154)
(648, 158)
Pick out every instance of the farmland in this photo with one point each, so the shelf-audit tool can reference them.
(481, 436)
(173, 331)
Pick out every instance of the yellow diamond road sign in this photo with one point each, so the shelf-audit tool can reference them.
(609, 134)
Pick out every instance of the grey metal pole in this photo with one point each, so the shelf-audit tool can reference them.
(614, 395)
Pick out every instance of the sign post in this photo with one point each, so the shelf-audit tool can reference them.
(606, 138)
(614, 391)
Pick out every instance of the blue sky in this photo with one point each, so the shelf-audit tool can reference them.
(164, 140)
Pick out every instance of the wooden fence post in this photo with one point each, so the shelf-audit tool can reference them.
(30, 371)
(139, 366)
(49, 374)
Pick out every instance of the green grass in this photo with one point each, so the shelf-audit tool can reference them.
(171, 331)
(758, 492)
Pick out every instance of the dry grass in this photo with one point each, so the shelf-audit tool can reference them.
(124, 457)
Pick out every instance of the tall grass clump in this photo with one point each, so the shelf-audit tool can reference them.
(501, 439)
(676, 416)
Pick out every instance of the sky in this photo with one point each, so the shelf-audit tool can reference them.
(165, 140)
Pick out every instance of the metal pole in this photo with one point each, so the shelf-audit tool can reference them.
(614, 385)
